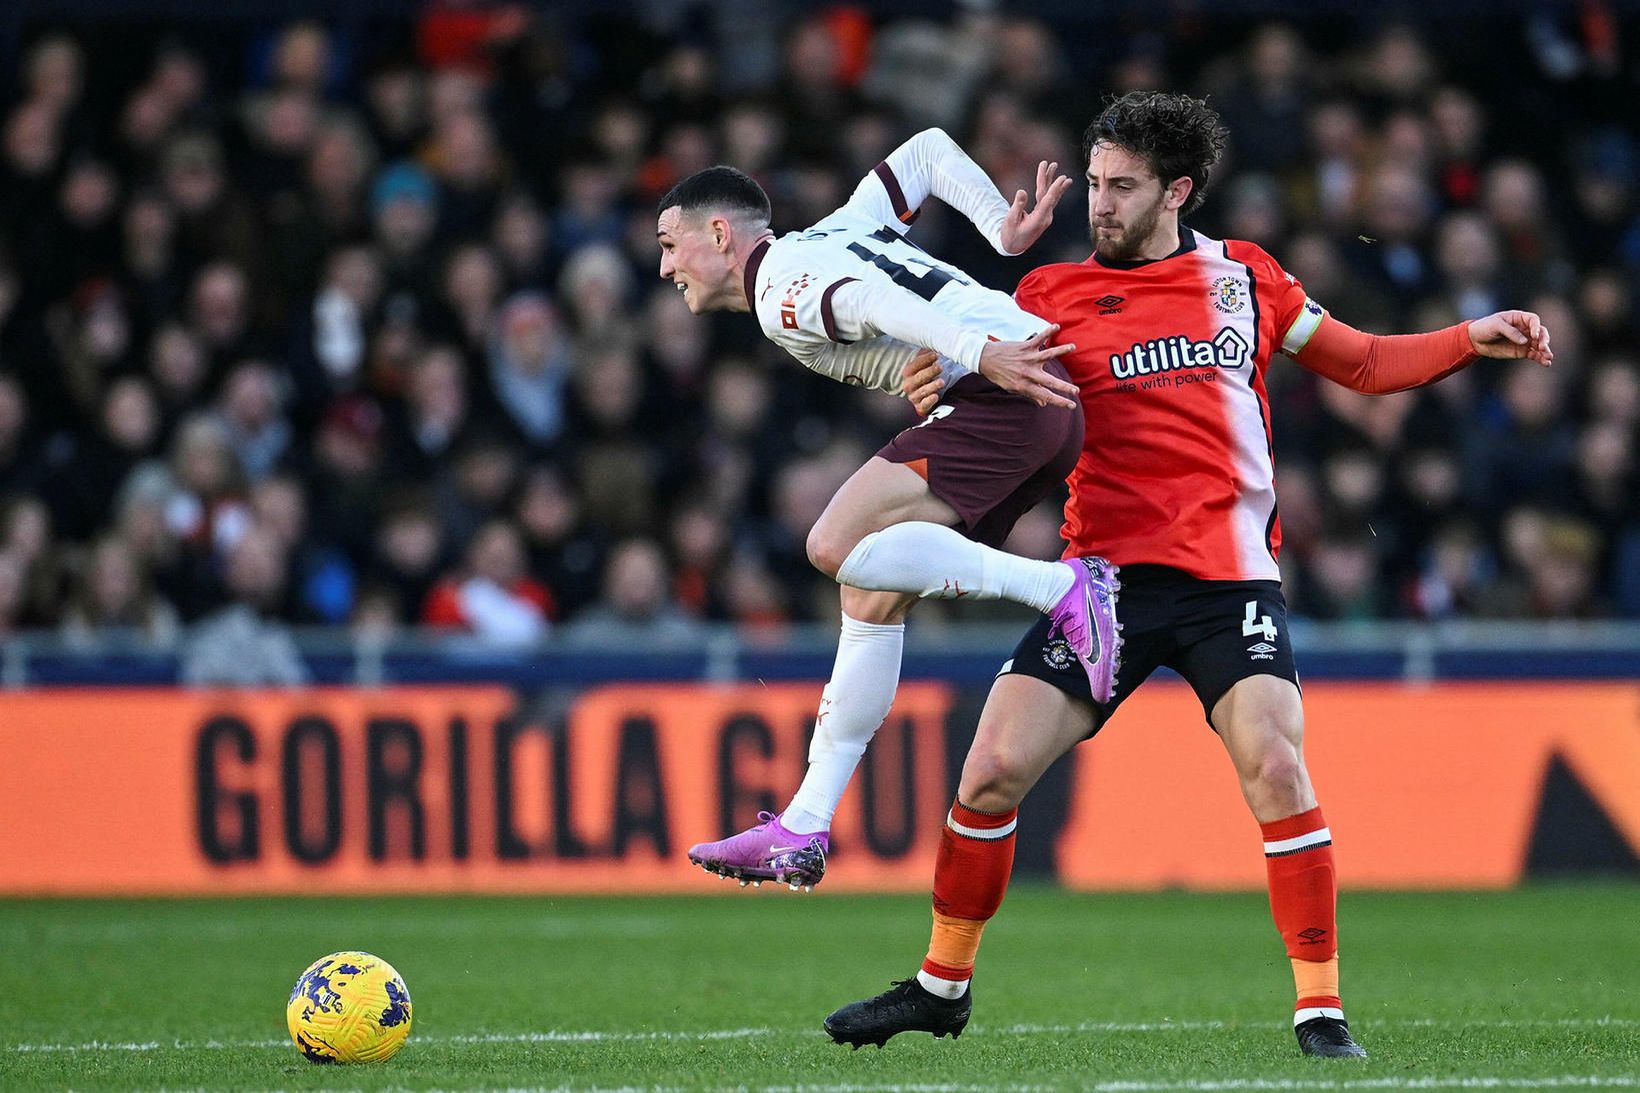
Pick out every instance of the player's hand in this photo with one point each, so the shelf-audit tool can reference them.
(1022, 227)
(921, 382)
(1512, 335)
(1020, 367)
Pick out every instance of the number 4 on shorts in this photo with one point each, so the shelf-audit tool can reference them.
(1255, 623)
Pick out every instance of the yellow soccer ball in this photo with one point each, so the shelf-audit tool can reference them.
(349, 1008)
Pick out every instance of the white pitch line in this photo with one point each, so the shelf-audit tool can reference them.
(1137, 1085)
(1243, 1085)
(565, 1036)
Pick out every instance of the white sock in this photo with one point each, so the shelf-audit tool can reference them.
(937, 562)
(945, 988)
(852, 707)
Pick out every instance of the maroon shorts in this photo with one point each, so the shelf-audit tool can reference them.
(991, 455)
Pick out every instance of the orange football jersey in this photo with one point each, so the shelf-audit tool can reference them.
(1170, 356)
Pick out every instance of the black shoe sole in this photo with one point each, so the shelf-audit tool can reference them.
(1337, 1053)
(861, 1039)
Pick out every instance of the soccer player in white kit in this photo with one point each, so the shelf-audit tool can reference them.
(854, 300)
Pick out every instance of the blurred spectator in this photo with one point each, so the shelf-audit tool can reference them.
(435, 419)
(408, 557)
(244, 644)
(637, 609)
(520, 238)
(177, 363)
(319, 579)
(220, 315)
(21, 468)
(114, 601)
(563, 549)
(13, 589)
(1514, 196)
(1451, 576)
(471, 293)
(83, 489)
(1563, 576)
(475, 484)
(1470, 261)
(1344, 582)
(596, 287)
(1264, 109)
(493, 597)
(1525, 453)
(347, 473)
(252, 415)
(333, 338)
(529, 365)
(26, 536)
(404, 212)
(215, 221)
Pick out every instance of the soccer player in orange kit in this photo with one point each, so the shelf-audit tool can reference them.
(1173, 332)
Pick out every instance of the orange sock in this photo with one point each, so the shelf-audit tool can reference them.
(1298, 859)
(1317, 982)
(971, 872)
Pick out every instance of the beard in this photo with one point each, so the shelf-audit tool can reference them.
(1134, 236)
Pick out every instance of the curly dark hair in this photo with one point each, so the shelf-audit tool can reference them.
(1179, 136)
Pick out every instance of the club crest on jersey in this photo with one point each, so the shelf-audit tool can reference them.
(1228, 294)
(1228, 349)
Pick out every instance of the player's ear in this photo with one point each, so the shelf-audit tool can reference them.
(720, 232)
(1178, 192)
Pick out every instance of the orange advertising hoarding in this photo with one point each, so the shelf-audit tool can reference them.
(424, 789)
(433, 789)
(1423, 787)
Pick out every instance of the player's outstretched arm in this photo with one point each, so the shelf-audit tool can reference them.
(1381, 364)
(931, 163)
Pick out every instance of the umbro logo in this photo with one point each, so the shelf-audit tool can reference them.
(1110, 304)
(1261, 647)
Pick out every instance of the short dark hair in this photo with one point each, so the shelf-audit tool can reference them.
(718, 189)
(1177, 135)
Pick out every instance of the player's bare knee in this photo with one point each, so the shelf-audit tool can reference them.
(1278, 779)
(827, 549)
(992, 781)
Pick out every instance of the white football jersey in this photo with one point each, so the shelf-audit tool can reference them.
(853, 299)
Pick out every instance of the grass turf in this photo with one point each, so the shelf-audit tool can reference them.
(1536, 988)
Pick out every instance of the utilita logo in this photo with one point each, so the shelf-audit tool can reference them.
(1227, 350)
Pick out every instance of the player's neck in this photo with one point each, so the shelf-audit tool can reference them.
(1163, 242)
(745, 272)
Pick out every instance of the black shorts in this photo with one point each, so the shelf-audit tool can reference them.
(991, 455)
(1212, 633)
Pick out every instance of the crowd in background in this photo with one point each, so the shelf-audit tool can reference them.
(363, 329)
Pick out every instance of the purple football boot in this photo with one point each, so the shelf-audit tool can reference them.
(1086, 618)
(767, 852)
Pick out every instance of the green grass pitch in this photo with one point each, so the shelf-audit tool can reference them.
(1538, 988)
